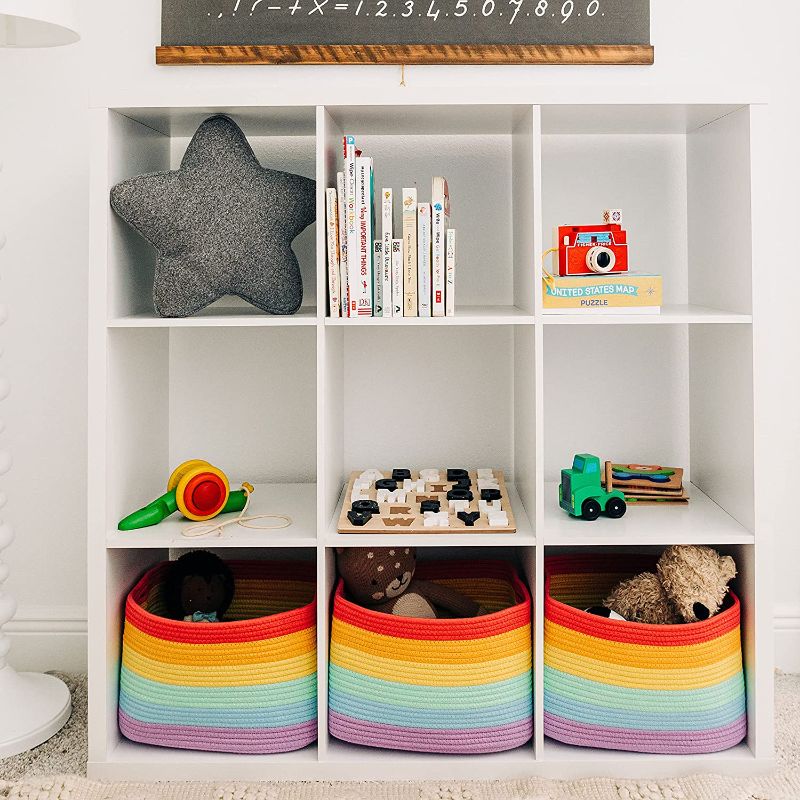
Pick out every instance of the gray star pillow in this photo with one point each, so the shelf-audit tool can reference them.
(222, 224)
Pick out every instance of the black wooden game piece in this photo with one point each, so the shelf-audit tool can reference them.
(401, 474)
(459, 494)
(462, 483)
(366, 507)
(490, 494)
(469, 518)
(358, 518)
(386, 483)
(429, 505)
(456, 474)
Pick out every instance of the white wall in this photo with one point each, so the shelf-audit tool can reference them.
(710, 49)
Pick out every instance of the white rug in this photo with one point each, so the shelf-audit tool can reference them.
(784, 784)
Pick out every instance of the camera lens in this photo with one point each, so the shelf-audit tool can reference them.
(600, 259)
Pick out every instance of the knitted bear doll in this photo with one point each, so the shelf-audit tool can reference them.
(382, 579)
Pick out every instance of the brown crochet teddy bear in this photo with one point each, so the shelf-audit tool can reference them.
(689, 585)
(382, 579)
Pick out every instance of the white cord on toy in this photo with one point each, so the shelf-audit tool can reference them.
(209, 528)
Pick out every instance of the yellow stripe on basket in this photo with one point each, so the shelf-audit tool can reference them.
(228, 675)
(493, 594)
(690, 677)
(702, 654)
(390, 669)
(422, 651)
(264, 651)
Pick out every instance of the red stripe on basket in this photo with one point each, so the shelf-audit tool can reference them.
(508, 619)
(629, 632)
(250, 630)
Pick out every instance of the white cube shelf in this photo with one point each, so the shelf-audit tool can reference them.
(293, 404)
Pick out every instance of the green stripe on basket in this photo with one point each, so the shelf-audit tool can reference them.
(460, 717)
(414, 696)
(661, 720)
(294, 714)
(608, 696)
(265, 695)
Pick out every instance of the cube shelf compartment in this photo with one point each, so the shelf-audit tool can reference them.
(293, 404)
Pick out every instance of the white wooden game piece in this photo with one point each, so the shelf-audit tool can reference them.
(484, 483)
(485, 473)
(361, 484)
(429, 475)
(356, 495)
(385, 496)
(429, 519)
(408, 485)
(498, 519)
(458, 505)
(487, 508)
(436, 519)
(371, 475)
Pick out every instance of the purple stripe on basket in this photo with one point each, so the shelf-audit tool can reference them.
(666, 742)
(427, 740)
(220, 740)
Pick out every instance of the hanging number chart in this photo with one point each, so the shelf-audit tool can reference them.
(405, 31)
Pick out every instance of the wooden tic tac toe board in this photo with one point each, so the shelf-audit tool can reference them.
(401, 510)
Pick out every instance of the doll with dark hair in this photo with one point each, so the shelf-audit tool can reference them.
(199, 587)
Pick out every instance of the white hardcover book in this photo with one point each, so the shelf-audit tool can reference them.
(377, 272)
(353, 282)
(343, 282)
(409, 252)
(332, 230)
(387, 211)
(424, 259)
(450, 274)
(397, 277)
(364, 224)
(440, 218)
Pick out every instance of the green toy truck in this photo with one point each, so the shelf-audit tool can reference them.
(581, 493)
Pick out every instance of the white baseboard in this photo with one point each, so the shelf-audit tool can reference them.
(54, 637)
(47, 638)
(787, 639)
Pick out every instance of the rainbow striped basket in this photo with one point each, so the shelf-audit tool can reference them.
(436, 685)
(244, 686)
(629, 686)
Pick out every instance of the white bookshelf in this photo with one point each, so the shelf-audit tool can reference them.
(274, 400)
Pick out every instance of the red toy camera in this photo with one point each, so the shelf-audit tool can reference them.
(592, 249)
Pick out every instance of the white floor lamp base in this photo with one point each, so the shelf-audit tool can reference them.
(34, 708)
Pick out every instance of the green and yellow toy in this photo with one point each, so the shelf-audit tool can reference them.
(198, 490)
(581, 492)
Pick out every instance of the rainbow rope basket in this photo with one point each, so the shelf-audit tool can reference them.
(244, 686)
(436, 685)
(673, 689)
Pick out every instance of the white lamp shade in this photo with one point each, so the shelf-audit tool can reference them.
(38, 23)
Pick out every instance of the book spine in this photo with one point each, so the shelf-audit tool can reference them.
(387, 211)
(343, 281)
(409, 252)
(332, 228)
(352, 227)
(450, 273)
(364, 220)
(439, 218)
(377, 271)
(397, 277)
(424, 259)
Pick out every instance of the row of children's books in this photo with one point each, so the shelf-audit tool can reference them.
(387, 270)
